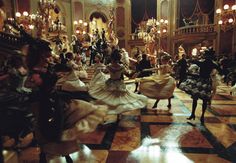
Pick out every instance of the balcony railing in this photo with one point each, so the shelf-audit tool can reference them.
(9, 43)
(134, 36)
(9, 39)
(196, 29)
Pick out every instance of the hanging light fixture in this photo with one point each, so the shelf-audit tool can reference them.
(226, 17)
(80, 26)
(157, 27)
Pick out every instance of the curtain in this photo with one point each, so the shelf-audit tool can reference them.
(196, 10)
(137, 13)
(229, 2)
(151, 8)
(187, 8)
(23, 5)
(98, 15)
(142, 10)
(206, 6)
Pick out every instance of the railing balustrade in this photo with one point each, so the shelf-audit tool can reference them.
(195, 29)
(10, 39)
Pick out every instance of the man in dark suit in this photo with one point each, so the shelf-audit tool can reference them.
(143, 64)
(93, 51)
(183, 65)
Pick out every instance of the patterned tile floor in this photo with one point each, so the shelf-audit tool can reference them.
(163, 136)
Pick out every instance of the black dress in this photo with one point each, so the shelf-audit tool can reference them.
(200, 86)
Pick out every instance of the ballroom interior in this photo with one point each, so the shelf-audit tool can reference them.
(86, 31)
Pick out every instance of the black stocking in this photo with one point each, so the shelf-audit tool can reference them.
(68, 159)
(155, 104)
(169, 103)
(136, 87)
(194, 106)
(204, 107)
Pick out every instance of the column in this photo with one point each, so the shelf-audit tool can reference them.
(234, 43)
(218, 4)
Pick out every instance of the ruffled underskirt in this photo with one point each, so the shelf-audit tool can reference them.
(98, 78)
(157, 86)
(114, 94)
(82, 117)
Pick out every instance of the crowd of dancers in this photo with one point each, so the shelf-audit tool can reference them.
(65, 105)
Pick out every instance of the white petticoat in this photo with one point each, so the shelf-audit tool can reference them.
(119, 99)
(157, 86)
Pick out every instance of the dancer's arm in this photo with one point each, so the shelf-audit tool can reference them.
(151, 69)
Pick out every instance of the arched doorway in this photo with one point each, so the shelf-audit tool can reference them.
(98, 20)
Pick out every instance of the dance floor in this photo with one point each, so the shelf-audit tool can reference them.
(163, 135)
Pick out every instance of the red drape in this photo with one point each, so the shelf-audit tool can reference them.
(229, 2)
(23, 5)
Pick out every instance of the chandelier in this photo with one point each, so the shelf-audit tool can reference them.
(155, 31)
(156, 27)
(226, 17)
(80, 27)
(151, 27)
(26, 20)
(41, 20)
(44, 7)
